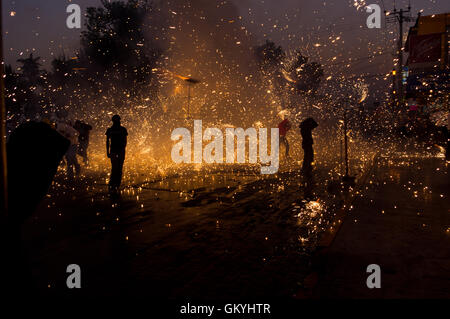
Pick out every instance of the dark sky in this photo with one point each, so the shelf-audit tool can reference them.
(39, 26)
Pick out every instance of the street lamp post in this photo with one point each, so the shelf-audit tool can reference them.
(401, 16)
(190, 82)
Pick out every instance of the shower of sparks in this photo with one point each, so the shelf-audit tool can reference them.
(363, 91)
(213, 43)
(359, 4)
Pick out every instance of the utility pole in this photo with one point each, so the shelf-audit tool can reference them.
(3, 170)
(399, 16)
(394, 92)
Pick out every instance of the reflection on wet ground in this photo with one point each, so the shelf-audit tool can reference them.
(230, 232)
(400, 221)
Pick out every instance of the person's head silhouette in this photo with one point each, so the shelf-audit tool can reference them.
(116, 120)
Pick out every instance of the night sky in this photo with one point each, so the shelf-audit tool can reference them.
(38, 26)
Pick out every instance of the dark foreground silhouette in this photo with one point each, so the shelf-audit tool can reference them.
(116, 143)
(306, 128)
(35, 151)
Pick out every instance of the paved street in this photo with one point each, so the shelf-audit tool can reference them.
(233, 233)
(400, 221)
(218, 235)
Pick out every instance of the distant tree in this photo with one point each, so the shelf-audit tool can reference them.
(29, 86)
(62, 70)
(270, 56)
(115, 45)
(270, 59)
(30, 69)
(306, 76)
(62, 83)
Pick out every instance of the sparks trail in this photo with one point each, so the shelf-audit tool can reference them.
(328, 88)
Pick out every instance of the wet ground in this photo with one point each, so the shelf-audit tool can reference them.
(229, 232)
(401, 222)
(224, 233)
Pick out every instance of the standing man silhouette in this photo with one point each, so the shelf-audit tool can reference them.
(306, 128)
(116, 142)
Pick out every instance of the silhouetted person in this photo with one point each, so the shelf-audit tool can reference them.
(116, 142)
(67, 130)
(34, 151)
(306, 128)
(83, 139)
(283, 128)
